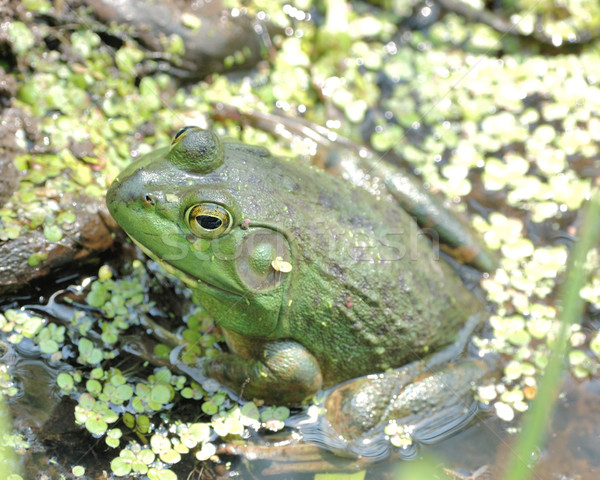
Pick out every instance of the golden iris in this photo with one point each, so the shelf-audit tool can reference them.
(208, 220)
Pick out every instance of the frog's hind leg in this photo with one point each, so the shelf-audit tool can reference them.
(413, 403)
(425, 401)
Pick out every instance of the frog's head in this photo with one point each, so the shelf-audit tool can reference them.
(182, 206)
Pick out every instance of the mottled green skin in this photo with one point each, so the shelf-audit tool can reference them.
(366, 291)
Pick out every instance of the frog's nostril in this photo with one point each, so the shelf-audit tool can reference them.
(149, 200)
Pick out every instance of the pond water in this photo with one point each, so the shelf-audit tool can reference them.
(44, 416)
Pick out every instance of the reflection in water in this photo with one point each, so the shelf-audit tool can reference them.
(39, 391)
(573, 448)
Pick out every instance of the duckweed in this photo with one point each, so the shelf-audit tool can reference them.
(211, 406)
(20, 324)
(516, 120)
(113, 437)
(139, 423)
(206, 452)
(21, 37)
(399, 435)
(152, 397)
(273, 418)
(95, 415)
(127, 462)
(581, 364)
(162, 446)
(161, 474)
(78, 471)
(88, 353)
(193, 434)
(14, 441)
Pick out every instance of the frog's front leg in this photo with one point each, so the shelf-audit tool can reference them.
(279, 371)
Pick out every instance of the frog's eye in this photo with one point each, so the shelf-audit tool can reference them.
(196, 150)
(208, 220)
(182, 131)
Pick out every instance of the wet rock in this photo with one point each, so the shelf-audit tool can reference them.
(83, 148)
(10, 122)
(8, 176)
(8, 89)
(12, 119)
(209, 32)
(87, 237)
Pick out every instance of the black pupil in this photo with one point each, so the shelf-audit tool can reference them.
(180, 132)
(208, 222)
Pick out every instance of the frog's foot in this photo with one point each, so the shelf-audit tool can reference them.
(365, 417)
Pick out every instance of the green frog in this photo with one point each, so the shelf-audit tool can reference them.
(314, 282)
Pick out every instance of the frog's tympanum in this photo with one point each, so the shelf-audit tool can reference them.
(313, 281)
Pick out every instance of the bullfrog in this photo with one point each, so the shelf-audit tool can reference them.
(314, 283)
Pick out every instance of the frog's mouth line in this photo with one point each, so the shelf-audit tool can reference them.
(190, 281)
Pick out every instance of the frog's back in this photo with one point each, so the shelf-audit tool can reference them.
(368, 292)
